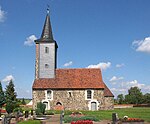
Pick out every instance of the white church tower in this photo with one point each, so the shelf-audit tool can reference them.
(46, 52)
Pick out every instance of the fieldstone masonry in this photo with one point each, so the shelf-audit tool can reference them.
(75, 101)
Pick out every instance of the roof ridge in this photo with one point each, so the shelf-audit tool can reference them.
(78, 68)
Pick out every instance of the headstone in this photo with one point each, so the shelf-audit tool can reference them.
(114, 118)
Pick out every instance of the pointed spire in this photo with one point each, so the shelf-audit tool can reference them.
(47, 30)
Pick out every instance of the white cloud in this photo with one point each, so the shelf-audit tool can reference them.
(123, 87)
(133, 83)
(142, 45)
(2, 15)
(30, 40)
(114, 78)
(68, 64)
(119, 65)
(101, 65)
(8, 78)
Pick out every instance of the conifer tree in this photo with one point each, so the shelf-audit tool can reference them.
(23, 101)
(2, 97)
(10, 95)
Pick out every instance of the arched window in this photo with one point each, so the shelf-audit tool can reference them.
(46, 50)
(58, 103)
(49, 94)
(89, 94)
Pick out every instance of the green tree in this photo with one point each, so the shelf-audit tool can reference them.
(23, 102)
(2, 97)
(10, 95)
(134, 96)
(146, 98)
(120, 99)
(40, 108)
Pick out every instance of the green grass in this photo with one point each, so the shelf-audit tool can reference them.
(141, 112)
(30, 122)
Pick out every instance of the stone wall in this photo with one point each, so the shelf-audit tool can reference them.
(109, 103)
(73, 99)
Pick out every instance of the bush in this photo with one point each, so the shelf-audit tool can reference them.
(48, 112)
(30, 122)
(41, 108)
(82, 122)
(38, 111)
(68, 119)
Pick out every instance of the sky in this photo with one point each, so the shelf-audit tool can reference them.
(113, 35)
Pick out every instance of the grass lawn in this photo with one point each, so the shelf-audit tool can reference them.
(141, 112)
(30, 122)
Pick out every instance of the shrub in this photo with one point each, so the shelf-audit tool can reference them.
(82, 122)
(38, 111)
(48, 112)
(68, 119)
(41, 108)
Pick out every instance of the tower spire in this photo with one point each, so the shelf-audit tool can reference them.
(47, 29)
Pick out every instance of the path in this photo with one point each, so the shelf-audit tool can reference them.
(53, 120)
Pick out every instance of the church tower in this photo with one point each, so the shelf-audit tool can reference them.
(46, 52)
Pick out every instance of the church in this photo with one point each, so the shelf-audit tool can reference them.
(69, 89)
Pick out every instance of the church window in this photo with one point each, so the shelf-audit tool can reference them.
(89, 94)
(69, 93)
(46, 50)
(49, 94)
(46, 65)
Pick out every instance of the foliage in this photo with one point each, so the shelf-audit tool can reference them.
(30, 122)
(49, 112)
(134, 96)
(68, 119)
(38, 111)
(40, 108)
(2, 97)
(146, 98)
(82, 122)
(18, 109)
(120, 99)
(10, 95)
(23, 102)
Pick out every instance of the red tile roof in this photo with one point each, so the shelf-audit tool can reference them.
(107, 92)
(73, 79)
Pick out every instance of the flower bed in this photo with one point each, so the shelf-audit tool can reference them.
(82, 122)
(134, 120)
(127, 120)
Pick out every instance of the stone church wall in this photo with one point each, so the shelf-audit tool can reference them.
(74, 99)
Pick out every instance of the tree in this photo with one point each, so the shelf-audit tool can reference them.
(10, 95)
(23, 101)
(120, 99)
(146, 98)
(40, 108)
(134, 96)
(2, 97)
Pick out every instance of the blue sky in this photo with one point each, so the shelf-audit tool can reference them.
(111, 34)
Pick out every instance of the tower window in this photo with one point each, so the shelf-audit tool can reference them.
(46, 50)
(46, 65)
